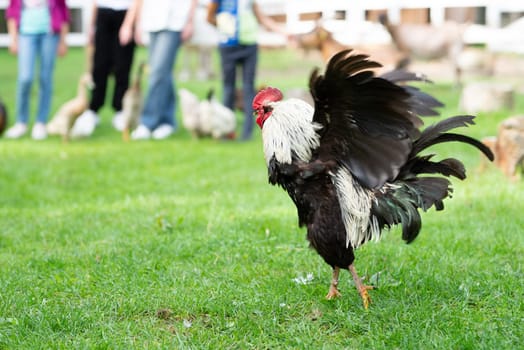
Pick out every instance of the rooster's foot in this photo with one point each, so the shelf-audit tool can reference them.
(366, 299)
(333, 290)
(362, 289)
(333, 293)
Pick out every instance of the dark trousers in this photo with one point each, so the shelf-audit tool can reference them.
(245, 56)
(110, 58)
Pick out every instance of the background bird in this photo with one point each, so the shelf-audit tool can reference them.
(216, 119)
(190, 111)
(207, 117)
(3, 117)
(352, 164)
(65, 117)
(132, 103)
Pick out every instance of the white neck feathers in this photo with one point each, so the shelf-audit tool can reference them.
(289, 131)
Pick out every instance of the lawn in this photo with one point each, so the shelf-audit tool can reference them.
(182, 244)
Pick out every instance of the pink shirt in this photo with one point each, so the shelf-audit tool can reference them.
(57, 8)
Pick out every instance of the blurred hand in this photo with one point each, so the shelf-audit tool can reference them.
(13, 47)
(62, 48)
(91, 36)
(125, 35)
(138, 36)
(187, 31)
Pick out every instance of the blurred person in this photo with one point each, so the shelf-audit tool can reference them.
(37, 29)
(237, 22)
(168, 24)
(110, 57)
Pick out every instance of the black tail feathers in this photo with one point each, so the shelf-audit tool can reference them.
(437, 133)
(399, 203)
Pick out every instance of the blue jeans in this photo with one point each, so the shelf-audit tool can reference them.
(30, 48)
(245, 56)
(160, 101)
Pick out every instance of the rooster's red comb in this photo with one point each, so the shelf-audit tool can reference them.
(269, 94)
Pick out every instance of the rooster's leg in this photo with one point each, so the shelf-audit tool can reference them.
(362, 289)
(333, 290)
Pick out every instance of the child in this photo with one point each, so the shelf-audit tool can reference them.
(110, 57)
(37, 29)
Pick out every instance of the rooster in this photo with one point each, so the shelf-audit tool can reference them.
(352, 163)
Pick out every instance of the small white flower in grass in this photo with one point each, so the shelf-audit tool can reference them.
(303, 280)
(285, 306)
(465, 289)
(187, 323)
(237, 303)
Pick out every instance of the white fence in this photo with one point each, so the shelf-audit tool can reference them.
(354, 12)
(356, 9)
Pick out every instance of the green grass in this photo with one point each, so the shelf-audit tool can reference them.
(182, 244)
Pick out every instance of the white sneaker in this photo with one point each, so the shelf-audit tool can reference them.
(163, 132)
(141, 133)
(85, 124)
(119, 121)
(39, 131)
(16, 131)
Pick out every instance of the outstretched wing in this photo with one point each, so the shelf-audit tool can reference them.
(368, 122)
(420, 102)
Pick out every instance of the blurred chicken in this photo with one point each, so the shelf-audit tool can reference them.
(66, 115)
(132, 103)
(216, 119)
(189, 105)
(208, 117)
